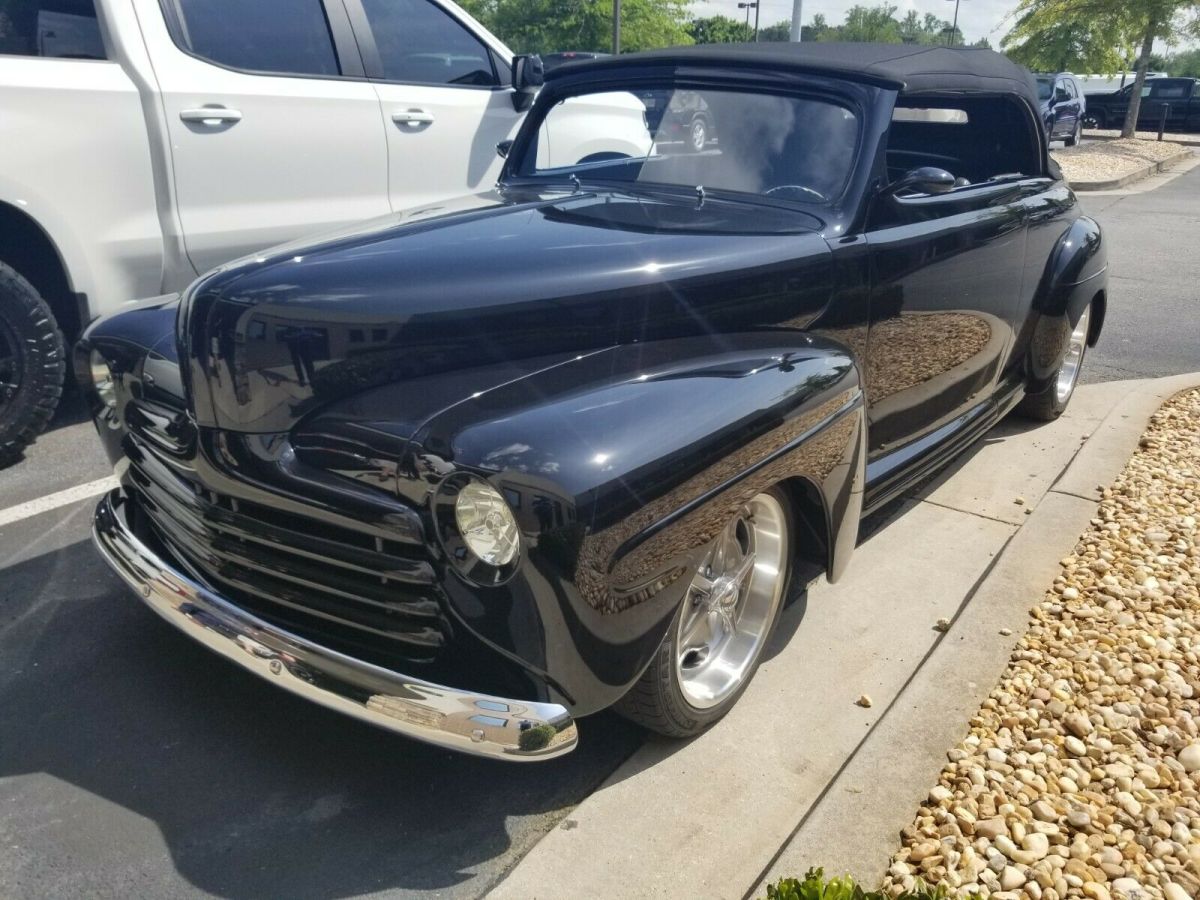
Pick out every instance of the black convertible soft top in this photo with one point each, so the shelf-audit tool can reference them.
(908, 68)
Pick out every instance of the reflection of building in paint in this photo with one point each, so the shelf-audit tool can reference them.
(537, 503)
(495, 721)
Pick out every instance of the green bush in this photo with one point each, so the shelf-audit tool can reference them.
(536, 738)
(814, 886)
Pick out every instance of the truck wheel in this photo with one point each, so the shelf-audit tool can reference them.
(1076, 135)
(32, 365)
(716, 640)
(1051, 402)
(1094, 120)
(698, 135)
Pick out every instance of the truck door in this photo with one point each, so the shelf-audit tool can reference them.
(1174, 93)
(445, 97)
(274, 133)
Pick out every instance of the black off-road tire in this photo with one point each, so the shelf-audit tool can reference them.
(656, 700)
(32, 365)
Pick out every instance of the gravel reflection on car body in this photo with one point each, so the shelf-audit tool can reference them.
(489, 467)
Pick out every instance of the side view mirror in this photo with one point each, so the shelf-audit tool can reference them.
(925, 180)
(528, 74)
(503, 148)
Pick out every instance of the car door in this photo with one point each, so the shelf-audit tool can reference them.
(445, 96)
(274, 133)
(1066, 110)
(945, 288)
(1172, 93)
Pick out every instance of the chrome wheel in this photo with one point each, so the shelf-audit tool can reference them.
(731, 604)
(1068, 374)
(699, 135)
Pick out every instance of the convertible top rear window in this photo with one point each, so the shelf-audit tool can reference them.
(785, 147)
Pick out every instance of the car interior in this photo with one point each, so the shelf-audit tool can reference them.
(975, 145)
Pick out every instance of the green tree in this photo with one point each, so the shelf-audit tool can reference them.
(543, 26)
(780, 31)
(1183, 65)
(719, 30)
(874, 24)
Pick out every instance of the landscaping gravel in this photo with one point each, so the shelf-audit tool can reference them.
(1080, 776)
(1107, 160)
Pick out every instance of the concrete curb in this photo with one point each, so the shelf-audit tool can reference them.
(799, 776)
(1116, 183)
(1170, 138)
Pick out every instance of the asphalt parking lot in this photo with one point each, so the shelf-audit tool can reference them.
(133, 762)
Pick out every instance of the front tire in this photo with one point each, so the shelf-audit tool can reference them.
(1076, 135)
(698, 135)
(1051, 402)
(716, 640)
(32, 365)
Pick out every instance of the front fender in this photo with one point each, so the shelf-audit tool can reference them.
(1076, 274)
(622, 466)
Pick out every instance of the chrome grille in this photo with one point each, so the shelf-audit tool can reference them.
(352, 589)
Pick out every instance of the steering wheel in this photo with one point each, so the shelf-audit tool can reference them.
(794, 188)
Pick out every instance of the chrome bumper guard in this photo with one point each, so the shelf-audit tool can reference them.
(458, 720)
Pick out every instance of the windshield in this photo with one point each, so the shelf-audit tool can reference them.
(785, 147)
(1045, 87)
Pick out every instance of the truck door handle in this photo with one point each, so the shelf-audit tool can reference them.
(211, 115)
(413, 117)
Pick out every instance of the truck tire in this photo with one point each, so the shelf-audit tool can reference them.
(32, 365)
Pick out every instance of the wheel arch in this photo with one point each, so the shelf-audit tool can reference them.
(29, 250)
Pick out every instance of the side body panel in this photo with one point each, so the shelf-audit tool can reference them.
(944, 308)
(76, 160)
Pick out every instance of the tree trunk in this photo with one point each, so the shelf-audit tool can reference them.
(1143, 64)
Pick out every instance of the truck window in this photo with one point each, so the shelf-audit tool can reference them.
(62, 29)
(420, 43)
(1170, 90)
(283, 37)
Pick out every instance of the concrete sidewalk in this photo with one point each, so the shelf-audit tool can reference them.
(798, 775)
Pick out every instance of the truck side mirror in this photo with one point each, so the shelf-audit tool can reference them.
(528, 74)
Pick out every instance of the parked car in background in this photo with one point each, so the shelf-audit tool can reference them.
(562, 57)
(1180, 96)
(1063, 107)
(679, 117)
(146, 142)
(571, 443)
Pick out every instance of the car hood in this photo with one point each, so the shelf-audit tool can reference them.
(485, 290)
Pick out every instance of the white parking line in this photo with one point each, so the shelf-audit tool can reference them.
(54, 501)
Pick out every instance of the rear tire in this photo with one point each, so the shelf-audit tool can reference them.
(1077, 135)
(698, 135)
(716, 640)
(32, 365)
(1051, 402)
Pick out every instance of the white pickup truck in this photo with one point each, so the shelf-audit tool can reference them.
(144, 142)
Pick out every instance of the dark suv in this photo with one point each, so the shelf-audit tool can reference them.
(1062, 106)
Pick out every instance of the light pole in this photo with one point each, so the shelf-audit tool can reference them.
(616, 27)
(752, 5)
(797, 13)
(954, 28)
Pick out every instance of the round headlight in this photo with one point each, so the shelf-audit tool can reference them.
(102, 380)
(487, 524)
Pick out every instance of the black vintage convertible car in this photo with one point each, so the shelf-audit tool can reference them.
(477, 470)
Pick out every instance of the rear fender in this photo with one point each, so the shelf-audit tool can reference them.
(621, 468)
(1076, 273)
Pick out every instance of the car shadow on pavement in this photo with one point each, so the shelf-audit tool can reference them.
(254, 792)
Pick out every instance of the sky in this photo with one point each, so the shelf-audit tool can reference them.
(976, 18)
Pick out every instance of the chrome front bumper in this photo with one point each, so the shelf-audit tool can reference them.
(459, 720)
